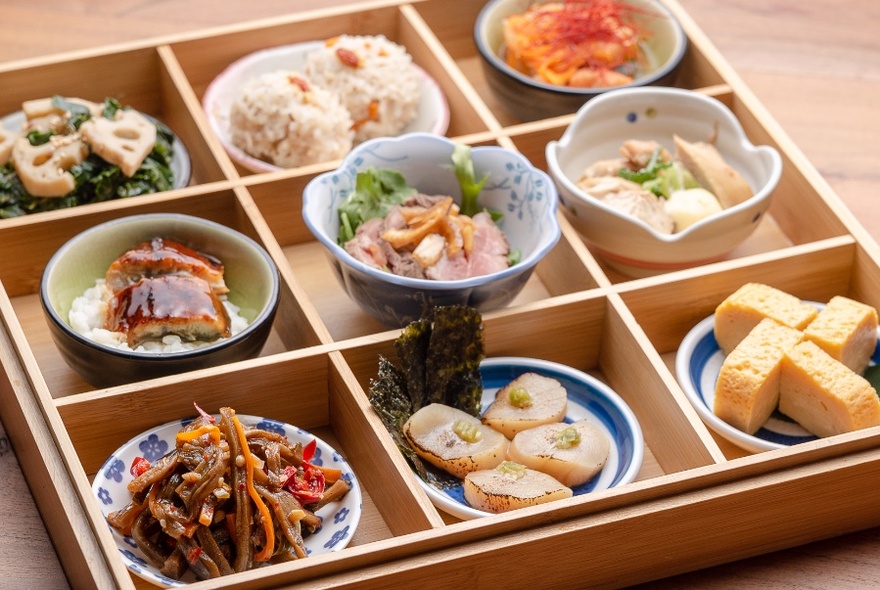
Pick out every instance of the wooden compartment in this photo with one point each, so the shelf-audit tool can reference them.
(21, 276)
(685, 509)
(142, 78)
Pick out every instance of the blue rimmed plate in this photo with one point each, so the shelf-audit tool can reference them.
(588, 398)
(697, 365)
(339, 519)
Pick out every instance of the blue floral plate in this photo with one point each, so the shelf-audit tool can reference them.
(588, 398)
(340, 519)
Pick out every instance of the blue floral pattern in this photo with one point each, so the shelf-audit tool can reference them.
(152, 448)
(272, 426)
(337, 537)
(114, 469)
(338, 519)
(523, 193)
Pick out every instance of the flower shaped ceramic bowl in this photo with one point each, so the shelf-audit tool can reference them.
(627, 243)
(525, 196)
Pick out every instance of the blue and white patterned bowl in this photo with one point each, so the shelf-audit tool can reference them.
(339, 519)
(524, 194)
(588, 399)
(697, 365)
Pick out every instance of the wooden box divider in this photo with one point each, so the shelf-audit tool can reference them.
(697, 500)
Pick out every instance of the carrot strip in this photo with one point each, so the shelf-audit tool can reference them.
(265, 516)
(331, 474)
(191, 435)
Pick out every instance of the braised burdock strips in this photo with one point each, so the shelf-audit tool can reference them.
(226, 498)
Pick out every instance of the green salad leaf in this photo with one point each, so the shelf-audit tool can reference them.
(464, 172)
(659, 177)
(376, 191)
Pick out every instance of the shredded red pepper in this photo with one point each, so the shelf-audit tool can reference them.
(309, 450)
(307, 483)
(553, 40)
(204, 414)
(193, 554)
(138, 466)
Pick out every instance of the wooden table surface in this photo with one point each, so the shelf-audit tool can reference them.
(814, 65)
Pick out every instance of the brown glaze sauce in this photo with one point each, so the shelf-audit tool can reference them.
(162, 287)
(161, 256)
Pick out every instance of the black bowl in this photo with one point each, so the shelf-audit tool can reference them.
(250, 274)
(528, 99)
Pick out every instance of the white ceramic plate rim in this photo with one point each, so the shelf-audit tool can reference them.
(432, 117)
(701, 398)
(315, 544)
(452, 506)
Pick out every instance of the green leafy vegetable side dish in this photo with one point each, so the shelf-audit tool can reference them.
(439, 363)
(96, 180)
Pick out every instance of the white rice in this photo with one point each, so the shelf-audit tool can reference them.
(384, 74)
(88, 312)
(278, 121)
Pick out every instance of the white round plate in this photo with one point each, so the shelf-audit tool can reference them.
(432, 116)
(181, 166)
(697, 365)
(588, 398)
(339, 519)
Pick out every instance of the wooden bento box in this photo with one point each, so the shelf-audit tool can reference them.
(697, 501)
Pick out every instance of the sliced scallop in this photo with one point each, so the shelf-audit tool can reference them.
(510, 486)
(572, 453)
(454, 440)
(529, 400)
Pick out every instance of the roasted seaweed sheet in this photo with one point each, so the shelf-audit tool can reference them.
(439, 360)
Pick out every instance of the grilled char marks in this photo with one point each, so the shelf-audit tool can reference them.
(154, 307)
(158, 257)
